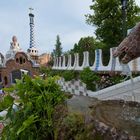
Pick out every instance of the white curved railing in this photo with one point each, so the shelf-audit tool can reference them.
(114, 64)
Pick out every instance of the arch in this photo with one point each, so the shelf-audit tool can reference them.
(105, 56)
(5, 80)
(91, 57)
(81, 58)
(72, 59)
(66, 60)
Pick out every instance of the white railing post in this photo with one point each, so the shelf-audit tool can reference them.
(59, 65)
(64, 62)
(86, 59)
(69, 62)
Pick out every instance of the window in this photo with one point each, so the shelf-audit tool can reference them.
(20, 59)
(17, 60)
(16, 74)
(24, 60)
(5, 80)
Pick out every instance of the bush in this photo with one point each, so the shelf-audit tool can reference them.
(47, 71)
(89, 78)
(68, 75)
(34, 118)
(5, 102)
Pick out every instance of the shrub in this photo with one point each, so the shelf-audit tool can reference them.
(34, 118)
(68, 75)
(5, 102)
(89, 78)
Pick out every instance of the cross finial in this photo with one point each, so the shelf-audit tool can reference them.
(31, 9)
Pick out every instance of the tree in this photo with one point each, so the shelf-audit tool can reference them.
(57, 52)
(87, 44)
(107, 17)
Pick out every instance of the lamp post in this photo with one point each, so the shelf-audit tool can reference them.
(124, 7)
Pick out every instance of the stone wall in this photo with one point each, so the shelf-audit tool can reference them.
(128, 90)
(74, 87)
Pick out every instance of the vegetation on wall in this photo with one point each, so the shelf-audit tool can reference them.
(69, 75)
(89, 78)
(94, 81)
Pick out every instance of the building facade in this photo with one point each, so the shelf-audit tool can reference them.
(44, 59)
(15, 63)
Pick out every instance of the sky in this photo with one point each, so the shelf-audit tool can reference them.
(52, 17)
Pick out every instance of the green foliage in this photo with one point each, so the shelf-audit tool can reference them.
(107, 18)
(57, 52)
(68, 75)
(89, 44)
(89, 78)
(44, 69)
(6, 102)
(34, 118)
(48, 72)
(116, 79)
(74, 127)
(70, 126)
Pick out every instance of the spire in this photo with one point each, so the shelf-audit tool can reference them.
(32, 51)
(32, 40)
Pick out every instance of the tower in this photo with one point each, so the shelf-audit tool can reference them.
(32, 40)
(32, 51)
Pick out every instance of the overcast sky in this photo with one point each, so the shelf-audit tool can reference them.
(63, 17)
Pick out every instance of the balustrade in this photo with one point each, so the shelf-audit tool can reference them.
(114, 64)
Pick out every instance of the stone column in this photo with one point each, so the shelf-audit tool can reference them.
(86, 59)
(69, 62)
(64, 63)
(59, 65)
(98, 62)
(112, 61)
